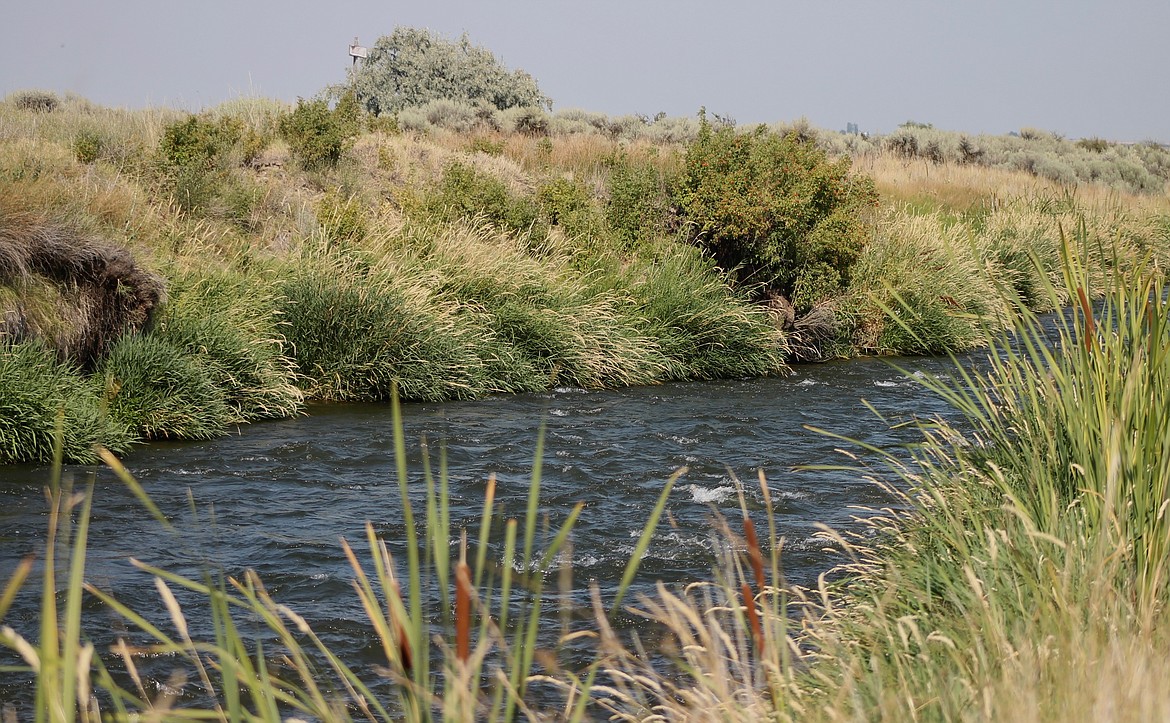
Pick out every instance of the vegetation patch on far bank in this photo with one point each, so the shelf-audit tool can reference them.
(331, 249)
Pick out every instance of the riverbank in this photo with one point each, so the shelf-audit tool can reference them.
(1020, 573)
(456, 260)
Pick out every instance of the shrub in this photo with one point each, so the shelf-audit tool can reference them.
(481, 144)
(37, 101)
(527, 120)
(465, 192)
(199, 142)
(87, 146)
(196, 154)
(638, 207)
(317, 135)
(412, 67)
(773, 209)
(567, 203)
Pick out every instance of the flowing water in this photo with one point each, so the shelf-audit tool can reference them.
(277, 496)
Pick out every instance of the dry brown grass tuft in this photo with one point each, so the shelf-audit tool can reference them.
(102, 292)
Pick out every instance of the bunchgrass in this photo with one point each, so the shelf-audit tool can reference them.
(158, 391)
(228, 322)
(36, 391)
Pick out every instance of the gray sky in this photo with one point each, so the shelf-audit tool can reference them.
(1078, 67)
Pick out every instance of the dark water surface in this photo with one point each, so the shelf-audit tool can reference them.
(277, 497)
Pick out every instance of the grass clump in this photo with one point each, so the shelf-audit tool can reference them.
(158, 391)
(356, 331)
(704, 328)
(228, 323)
(37, 392)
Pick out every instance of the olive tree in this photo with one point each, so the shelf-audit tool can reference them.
(412, 66)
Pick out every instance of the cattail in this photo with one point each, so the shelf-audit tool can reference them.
(462, 611)
(1090, 327)
(753, 618)
(404, 652)
(753, 548)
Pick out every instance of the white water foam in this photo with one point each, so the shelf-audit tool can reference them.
(703, 495)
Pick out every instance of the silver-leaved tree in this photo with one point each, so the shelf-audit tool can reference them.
(412, 66)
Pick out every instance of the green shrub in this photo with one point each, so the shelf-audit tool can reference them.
(774, 209)
(465, 192)
(196, 153)
(639, 206)
(317, 135)
(159, 391)
(35, 387)
(482, 144)
(199, 142)
(87, 146)
(567, 204)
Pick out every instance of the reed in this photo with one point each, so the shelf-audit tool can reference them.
(1034, 532)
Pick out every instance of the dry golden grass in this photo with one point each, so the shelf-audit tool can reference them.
(962, 187)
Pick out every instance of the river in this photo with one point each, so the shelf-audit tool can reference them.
(277, 496)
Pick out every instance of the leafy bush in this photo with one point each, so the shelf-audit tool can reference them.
(528, 120)
(639, 202)
(411, 67)
(196, 152)
(87, 146)
(199, 142)
(775, 210)
(317, 135)
(465, 192)
(567, 203)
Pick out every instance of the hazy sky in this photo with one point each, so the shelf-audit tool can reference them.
(1078, 67)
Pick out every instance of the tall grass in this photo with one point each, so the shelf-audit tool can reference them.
(228, 322)
(357, 330)
(1032, 556)
(37, 390)
(1020, 573)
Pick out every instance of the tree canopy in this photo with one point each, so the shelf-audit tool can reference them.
(412, 66)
